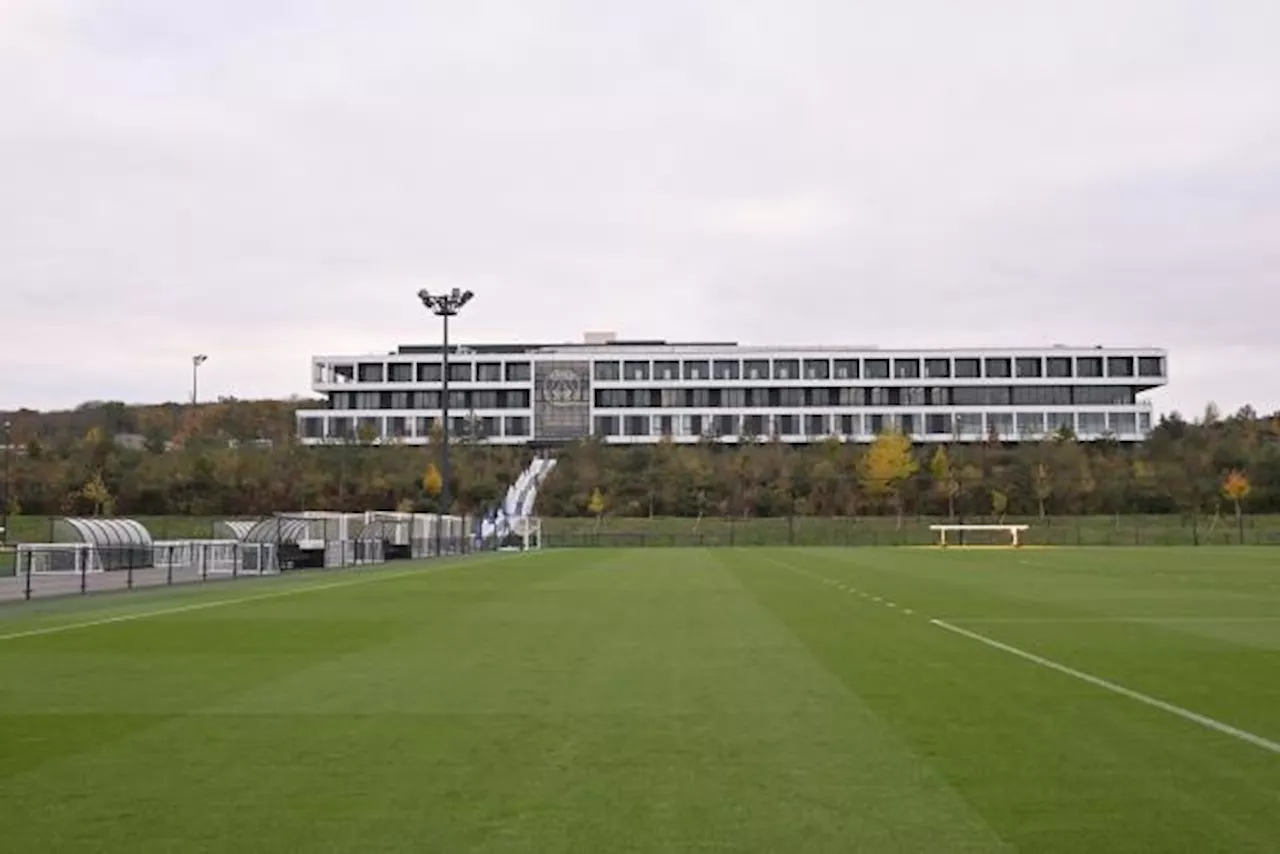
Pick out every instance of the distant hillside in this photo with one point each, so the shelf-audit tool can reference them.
(160, 423)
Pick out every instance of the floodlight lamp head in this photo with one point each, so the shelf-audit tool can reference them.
(199, 359)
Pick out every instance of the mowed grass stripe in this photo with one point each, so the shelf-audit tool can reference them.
(1052, 764)
(619, 701)
(295, 585)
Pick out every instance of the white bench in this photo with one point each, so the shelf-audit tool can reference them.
(1013, 530)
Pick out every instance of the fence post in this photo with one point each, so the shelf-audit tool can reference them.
(26, 581)
(129, 570)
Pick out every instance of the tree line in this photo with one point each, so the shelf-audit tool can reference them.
(239, 458)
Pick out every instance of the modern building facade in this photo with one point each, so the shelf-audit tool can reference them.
(641, 391)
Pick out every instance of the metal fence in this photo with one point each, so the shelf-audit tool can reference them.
(878, 531)
(44, 570)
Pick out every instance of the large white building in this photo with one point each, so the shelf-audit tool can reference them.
(640, 391)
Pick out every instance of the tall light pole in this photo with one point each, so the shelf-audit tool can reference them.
(4, 506)
(445, 306)
(196, 361)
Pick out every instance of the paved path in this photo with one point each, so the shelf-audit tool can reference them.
(48, 584)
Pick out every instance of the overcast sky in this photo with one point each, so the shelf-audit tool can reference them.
(264, 180)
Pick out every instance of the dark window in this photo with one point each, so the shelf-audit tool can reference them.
(727, 369)
(516, 425)
(666, 370)
(607, 371)
(735, 397)
(458, 400)
(696, 370)
(753, 425)
(666, 425)
(906, 369)
(517, 398)
(1150, 366)
(876, 369)
(641, 397)
(818, 396)
(1028, 366)
(1058, 367)
(815, 425)
(399, 400)
(937, 368)
(855, 396)
(909, 424)
(484, 399)
(606, 425)
(1042, 395)
(968, 369)
(998, 367)
(636, 425)
(1119, 366)
(311, 428)
(488, 372)
(518, 372)
(791, 397)
(786, 369)
(341, 400)
(1089, 366)
(787, 425)
(400, 372)
(426, 400)
(1103, 395)
(726, 425)
(846, 369)
(756, 369)
(460, 372)
(980, 395)
(635, 370)
(911, 396)
(817, 369)
(370, 372)
(848, 427)
(937, 425)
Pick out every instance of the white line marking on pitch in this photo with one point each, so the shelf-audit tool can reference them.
(907, 611)
(1186, 714)
(1193, 619)
(200, 606)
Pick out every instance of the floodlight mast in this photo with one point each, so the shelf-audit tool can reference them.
(4, 505)
(196, 361)
(445, 306)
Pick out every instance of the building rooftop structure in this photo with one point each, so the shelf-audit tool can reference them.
(629, 390)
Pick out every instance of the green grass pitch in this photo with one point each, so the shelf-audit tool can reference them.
(744, 700)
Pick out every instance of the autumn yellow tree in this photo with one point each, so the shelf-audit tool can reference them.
(596, 505)
(99, 497)
(945, 481)
(885, 467)
(432, 482)
(1236, 487)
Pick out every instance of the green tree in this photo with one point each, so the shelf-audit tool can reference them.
(945, 481)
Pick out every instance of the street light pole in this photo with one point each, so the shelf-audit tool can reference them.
(196, 362)
(4, 507)
(445, 306)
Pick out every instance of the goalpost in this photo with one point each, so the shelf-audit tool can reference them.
(1013, 531)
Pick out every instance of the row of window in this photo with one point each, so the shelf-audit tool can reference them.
(426, 372)
(961, 367)
(755, 398)
(963, 424)
(641, 370)
(402, 427)
(773, 398)
(458, 400)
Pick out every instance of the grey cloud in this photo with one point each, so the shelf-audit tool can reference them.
(269, 180)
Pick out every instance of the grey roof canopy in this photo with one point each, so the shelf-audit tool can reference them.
(233, 529)
(101, 532)
(278, 529)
